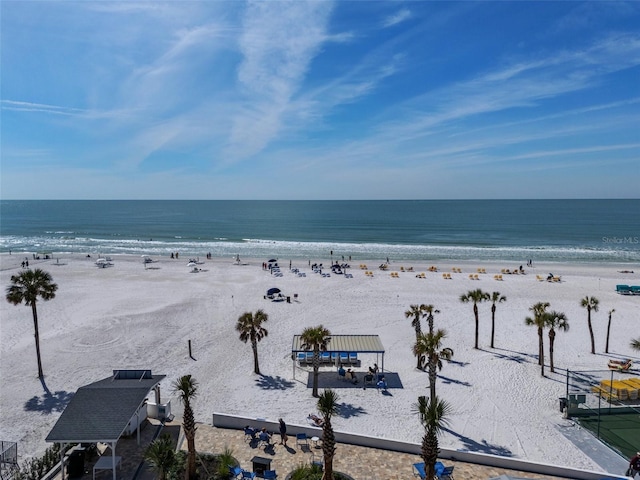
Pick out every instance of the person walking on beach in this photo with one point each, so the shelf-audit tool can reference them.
(283, 432)
(634, 466)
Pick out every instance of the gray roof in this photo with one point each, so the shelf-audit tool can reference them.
(100, 411)
(346, 343)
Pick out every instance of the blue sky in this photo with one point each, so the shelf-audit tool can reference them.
(320, 100)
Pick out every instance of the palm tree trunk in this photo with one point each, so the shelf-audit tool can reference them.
(328, 449)
(316, 368)
(256, 367)
(432, 378)
(593, 342)
(493, 323)
(552, 337)
(37, 338)
(475, 312)
(606, 347)
(189, 426)
(419, 357)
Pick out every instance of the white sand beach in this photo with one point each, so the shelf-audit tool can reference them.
(129, 316)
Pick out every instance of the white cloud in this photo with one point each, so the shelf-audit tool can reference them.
(396, 18)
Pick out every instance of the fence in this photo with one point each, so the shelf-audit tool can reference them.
(8, 458)
(607, 403)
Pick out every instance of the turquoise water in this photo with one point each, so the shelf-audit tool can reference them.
(542, 230)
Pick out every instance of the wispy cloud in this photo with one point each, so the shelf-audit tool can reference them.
(398, 17)
(19, 106)
(277, 46)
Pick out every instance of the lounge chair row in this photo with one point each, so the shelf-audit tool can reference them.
(628, 290)
(622, 390)
(344, 358)
(409, 269)
(395, 275)
(456, 270)
(474, 276)
(497, 277)
(368, 273)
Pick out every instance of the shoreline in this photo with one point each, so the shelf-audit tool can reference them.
(127, 317)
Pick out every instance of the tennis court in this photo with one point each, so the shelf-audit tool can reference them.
(619, 430)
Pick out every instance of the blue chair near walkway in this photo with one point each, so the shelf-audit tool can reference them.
(269, 474)
(248, 474)
(445, 474)
(235, 472)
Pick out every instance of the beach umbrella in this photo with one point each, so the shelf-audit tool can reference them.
(191, 264)
(273, 291)
(273, 260)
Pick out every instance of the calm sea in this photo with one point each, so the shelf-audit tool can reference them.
(542, 230)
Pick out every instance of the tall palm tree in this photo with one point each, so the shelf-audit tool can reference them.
(539, 320)
(433, 414)
(327, 407)
(26, 288)
(316, 339)
(429, 310)
(635, 343)
(590, 303)
(416, 312)
(430, 346)
(250, 327)
(161, 455)
(187, 389)
(555, 320)
(495, 297)
(475, 296)
(606, 347)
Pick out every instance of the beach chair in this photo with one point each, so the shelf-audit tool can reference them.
(353, 358)
(269, 474)
(446, 474)
(235, 472)
(419, 471)
(248, 474)
(301, 439)
(249, 434)
(264, 439)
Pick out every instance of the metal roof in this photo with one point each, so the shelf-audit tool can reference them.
(100, 411)
(346, 343)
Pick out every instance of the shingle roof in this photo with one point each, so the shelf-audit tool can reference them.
(100, 411)
(346, 343)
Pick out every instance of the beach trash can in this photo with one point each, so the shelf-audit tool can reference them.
(563, 403)
(75, 465)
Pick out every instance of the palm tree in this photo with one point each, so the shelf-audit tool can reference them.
(430, 346)
(590, 303)
(635, 343)
(416, 312)
(161, 455)
(475, 296)
(495, 297)
(606, 348)
(555, 320)
(26, 288)
(187, 388)
(250, 327)
(433, 416)
(429, 310)
(539, 320)
(316, 339)
(328, 406)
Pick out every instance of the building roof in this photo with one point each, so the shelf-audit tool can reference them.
(346, 343)
(101, 411)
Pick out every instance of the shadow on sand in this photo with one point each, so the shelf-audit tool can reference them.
(482, 447)
(48, 402)
(267, 382)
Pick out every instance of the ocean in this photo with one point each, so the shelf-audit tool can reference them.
(517, 230)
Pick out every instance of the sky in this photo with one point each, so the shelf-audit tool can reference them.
(319, 100)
